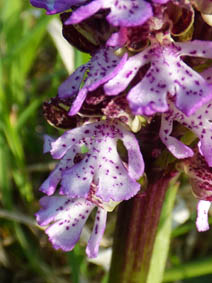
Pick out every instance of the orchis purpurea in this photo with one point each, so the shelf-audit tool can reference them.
(150, 70)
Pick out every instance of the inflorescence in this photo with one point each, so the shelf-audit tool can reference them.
(151, 61)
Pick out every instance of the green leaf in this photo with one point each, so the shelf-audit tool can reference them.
(75, 259)
(30, 252)
(9, 7)
(161, 246)
(29, 111)
(189, 270)
(80, 58)
(5, 178)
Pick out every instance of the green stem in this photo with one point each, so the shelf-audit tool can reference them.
(189, 270)
(136, 229)
(163, 236)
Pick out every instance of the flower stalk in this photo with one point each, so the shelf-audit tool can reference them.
(136, 229)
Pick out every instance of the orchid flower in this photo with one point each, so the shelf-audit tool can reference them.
(103, 66)
(89, 154)
(199, 123)
(92, 175)
(167, 74)
(200, 175)
(100, 163)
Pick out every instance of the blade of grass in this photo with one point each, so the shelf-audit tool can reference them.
(75, 259)
(80, 58)
(161, 246)
(5, 178)
(27, 113)
(35, 261)
(8, 8)
(28, 39)
(189, 270)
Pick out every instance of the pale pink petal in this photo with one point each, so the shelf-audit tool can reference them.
(126, 74)
(76, 181)
(66, 218)
(47, 143)
(176, 147)
(50, 184)
(84, 12)
(118, 38)
(128, 13)
(71, 86)
(97, 233)
(103, 66)
(135, 165)
(122, 12)
(202, 215)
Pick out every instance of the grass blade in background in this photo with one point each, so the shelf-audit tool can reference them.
(162, 242)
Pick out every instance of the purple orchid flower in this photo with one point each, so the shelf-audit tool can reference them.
(200, 175)
(103, 66)
(122, 12)
(168, 74)
(92, 174)
(199, 123)
(66, 217)
(89, 155)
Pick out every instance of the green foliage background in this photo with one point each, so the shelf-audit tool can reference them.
(31, 70)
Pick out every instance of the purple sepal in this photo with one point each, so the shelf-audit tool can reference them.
(70, 87)
(122, 13)
(160, 1)
(118, 38)
(84, 12)
(47, 143)
(56, 6)
(97, 233)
